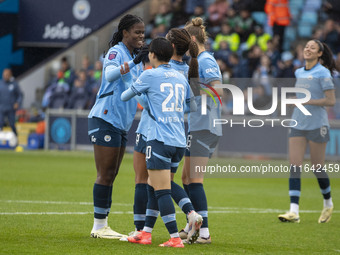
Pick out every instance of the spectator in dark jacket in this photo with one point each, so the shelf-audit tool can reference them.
(10, 99)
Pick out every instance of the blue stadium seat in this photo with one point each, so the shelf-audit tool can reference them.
(290, 34)
(296, 4)
(259, 17)
(289, 37)
(305, 30)
(58, 98)
(295, 14)
(78, 98)
(80, 102)
(312, 5)
(309, 17)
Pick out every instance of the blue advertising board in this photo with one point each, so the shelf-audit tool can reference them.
(50, 22)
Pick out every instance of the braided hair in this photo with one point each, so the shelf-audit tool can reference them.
(183, 42)
(125, 23)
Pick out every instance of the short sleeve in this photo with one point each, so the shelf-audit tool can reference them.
(210, 70)
(326, 80)
(143, 82)
(113, 57)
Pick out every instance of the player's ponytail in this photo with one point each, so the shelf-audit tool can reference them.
(116, 38)
(193, 67)
(326, 57)
(182, 42)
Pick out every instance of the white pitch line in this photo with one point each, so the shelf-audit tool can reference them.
(130, 212)
(212, 209)
(56, 202)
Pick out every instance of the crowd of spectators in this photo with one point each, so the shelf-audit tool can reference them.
(73, 89)
(251, 52)
(254, 52)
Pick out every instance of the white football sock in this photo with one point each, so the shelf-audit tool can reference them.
(204, 232)
(147, 229)
(328, 203)
(294, 208)
(99, 223)
(186, 229)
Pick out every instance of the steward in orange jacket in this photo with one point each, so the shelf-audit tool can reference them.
(278, 12)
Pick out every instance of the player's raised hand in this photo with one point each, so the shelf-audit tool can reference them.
(142, 54)
(124, 69)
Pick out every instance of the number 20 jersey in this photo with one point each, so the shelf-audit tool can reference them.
(167, 91)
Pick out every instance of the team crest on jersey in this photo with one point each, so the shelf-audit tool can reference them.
(310, 77)
(323, 131)
(107, 138)
(112, 55)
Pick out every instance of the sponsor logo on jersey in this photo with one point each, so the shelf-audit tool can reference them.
(107, 138)
(112, 55)
(211, 70)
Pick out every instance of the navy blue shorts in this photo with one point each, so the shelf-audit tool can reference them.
(160, 156)
(319, 135)
(201, 144)
(140, 145)
(103, 133)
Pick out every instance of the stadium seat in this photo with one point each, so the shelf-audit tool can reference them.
(289, 37)
(295, 14)
(290, 33)
(312, 5)
(259, 17)
(309, 17)
(58, 100)
(78, 98)
(296, 4)
(305, 30)
(80, 103)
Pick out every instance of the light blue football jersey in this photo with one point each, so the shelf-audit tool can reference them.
(181, 67)
(208, 71)
(316, 80)
(167, 91)
(108, 105)
(143, 125)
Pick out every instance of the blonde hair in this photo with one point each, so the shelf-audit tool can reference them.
(196, 28)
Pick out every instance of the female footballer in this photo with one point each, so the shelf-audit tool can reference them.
(110, 118)
(316, 77)
(181, 42)
(167, 93)
(203, 136)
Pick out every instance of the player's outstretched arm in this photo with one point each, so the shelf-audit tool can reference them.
(128, 94)
(112, 73)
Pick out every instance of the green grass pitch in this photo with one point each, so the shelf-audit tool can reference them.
(45, 208)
